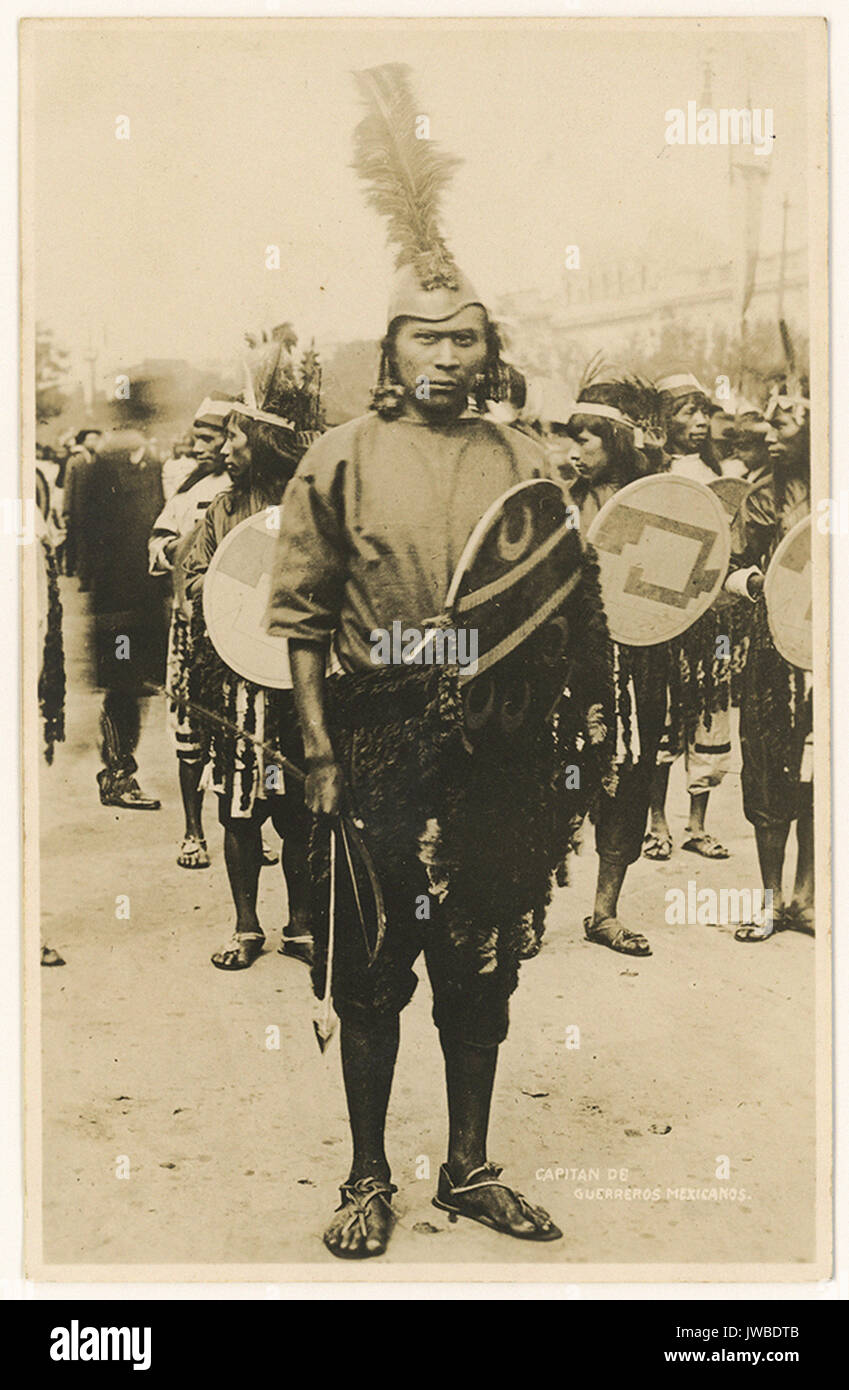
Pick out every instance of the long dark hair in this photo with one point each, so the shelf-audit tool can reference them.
(493, 383)
(625, 461)
(275, 454)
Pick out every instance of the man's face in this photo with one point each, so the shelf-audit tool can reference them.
(784, 437)
(236, 451)
(91, 440)
(593, 457)
(688, 427)
(206, 444)
(563, 452)
(437, 363)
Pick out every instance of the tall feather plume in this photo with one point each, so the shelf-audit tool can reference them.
(404, 177)
(592, 373)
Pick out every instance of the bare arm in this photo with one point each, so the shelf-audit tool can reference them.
(324, 784)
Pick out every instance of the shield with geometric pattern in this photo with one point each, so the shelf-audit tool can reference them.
(663, 547)
(512, 587)
(789, 597)
(236, 591)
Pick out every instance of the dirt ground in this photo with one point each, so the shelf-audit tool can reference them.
(235, 1149)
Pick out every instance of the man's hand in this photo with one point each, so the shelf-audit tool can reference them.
(323, 790)
(755, 583)
(324, 786)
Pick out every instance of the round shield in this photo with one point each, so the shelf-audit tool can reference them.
(236, 591)
(789, 601)
(663, 546)
(508, 601)
(731, 493)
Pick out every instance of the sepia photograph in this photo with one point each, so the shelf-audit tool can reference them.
(425, 535)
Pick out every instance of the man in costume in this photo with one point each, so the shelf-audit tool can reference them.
(749, 454)
(375, 522)
(700, 670)
(201, 449)
(608, 419)
(169, 542)
(262, 448)
(776, 709)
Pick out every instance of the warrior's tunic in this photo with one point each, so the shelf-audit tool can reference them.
(776, 706)
(376, 518)
(375, 521)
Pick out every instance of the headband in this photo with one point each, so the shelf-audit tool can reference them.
(604, 412)
(681, 384)
(610, 412)
(262, 416)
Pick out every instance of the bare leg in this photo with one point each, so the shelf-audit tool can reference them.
(611, 876)
(771, 841)
(657, 805)
(369, 1050)
(243, 857)
(604, 927)
(698, 811)
(190, 775)
(803, 892)
(469, 1077)
(292, 823)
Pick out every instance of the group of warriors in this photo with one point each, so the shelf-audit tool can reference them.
(417, 815)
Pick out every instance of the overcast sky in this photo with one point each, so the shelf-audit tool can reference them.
(241, 137)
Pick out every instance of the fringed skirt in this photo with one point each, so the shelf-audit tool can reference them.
(776, 723)
(481, 834)
(238, 769)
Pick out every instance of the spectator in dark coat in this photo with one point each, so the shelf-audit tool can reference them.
(121, 500)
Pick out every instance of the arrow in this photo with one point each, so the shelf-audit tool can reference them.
(324, 1016)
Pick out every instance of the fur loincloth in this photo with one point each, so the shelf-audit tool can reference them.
(483, 829)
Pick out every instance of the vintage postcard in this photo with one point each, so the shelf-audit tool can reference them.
(425, 534)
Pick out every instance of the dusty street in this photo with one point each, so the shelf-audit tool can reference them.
(235, 1149)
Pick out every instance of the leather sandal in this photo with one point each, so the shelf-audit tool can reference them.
(779, 920)
(193, 853)
(356, 1212)
(240, 952)
(297, 948)
(609, 931)
(532, 1224)
(706, 845)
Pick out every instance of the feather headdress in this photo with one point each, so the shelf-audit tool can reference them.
(276, 391)
(405, 177)
(631, 397)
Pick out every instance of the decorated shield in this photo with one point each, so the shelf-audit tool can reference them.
(236, 591)
(731, 493)
(789, 600)
(511, 589)
(663, 546)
